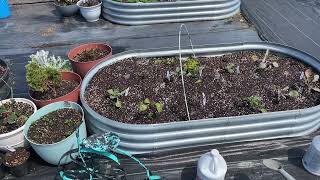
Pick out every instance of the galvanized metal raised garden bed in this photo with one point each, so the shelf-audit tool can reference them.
(160, 137)
(164, 12)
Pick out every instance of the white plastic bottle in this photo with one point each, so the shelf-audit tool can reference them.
(211, 166)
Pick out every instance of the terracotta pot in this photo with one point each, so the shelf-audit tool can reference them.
(83, 67)
(71, 96)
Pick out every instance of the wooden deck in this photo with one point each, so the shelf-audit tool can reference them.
(35, 25)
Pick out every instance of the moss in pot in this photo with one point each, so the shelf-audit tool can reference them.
(67, 7)
(50, 81)
(17, 162)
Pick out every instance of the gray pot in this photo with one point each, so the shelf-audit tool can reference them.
(69, 10)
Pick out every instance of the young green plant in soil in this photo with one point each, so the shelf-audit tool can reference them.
(150, 108)
(13, 115)
(55, 126)
(225, 92)
(44, 77)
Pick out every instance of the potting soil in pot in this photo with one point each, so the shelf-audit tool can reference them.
(16, 158)
(55, 126)
(91, 55)
(90, 3)
(13, 115)
(61, 89)
(149, 91)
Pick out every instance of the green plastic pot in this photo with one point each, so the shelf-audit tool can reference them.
(52, 153)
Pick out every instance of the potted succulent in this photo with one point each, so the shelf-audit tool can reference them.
(16, 161)
(50, 81)
(14, 113)
(238, 92)
(67, 7)
(52, 130)
(90, 9)
(85, 56)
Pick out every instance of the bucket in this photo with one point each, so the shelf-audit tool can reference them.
(311, 159)
(52, 153)
(4, 9)
(211, 166)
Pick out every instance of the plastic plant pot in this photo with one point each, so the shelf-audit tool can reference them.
(52, 153)
(4, 9)
(15, 138)
(22, 168)
(68, 10)
(71, 96)
(92, 13)
(83, 67)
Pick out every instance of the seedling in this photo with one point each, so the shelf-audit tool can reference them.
(191, 67)
(231, 68)
(310, 79)
(154, 108)
(115, 94)
(69, 122)
(256, 103)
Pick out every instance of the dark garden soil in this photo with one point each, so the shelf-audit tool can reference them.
(90, 3)
(17, 157)
(91, 55)
(55, 126)
(13, 115)
(59, 90)
(66, 2)
(241, 89)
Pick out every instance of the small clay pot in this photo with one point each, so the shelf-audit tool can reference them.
(72, 96)
(83, 67)
(17, 162)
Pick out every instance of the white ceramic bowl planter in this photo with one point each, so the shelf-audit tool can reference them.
(15, 138)
(92, 13)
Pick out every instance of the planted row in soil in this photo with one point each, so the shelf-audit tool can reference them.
(55, 126)
(229, 85)
(61, 89)
(13, 115)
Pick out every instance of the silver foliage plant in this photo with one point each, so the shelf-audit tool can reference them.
(42, 57)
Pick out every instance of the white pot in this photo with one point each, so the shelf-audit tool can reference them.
(15, 138)
(92, 13)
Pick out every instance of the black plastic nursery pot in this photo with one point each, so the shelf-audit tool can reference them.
(21, 168)
(153, 138)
